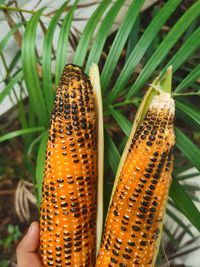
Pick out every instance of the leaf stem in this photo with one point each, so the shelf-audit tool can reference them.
(187, 94)
(134, 102)
(20, 10)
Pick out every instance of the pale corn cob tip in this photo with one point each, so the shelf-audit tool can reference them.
(163, 101)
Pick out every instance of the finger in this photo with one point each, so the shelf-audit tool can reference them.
(27, 249)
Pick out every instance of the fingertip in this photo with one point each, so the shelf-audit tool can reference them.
(30, 241)
(34, 227)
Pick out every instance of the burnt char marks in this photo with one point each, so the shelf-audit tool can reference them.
(140, 195)
(68, 208)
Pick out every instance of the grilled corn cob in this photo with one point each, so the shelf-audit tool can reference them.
(68, 206)
(134, 220)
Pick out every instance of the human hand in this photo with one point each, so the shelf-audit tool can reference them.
(27, 255)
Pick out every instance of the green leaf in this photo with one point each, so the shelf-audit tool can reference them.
(194, 114)
(121, 120)
(188, 148)
(14, 62)
(102, 34)
(188, 47)
(119, 42)
(20, 132)
(185, 204)
(61, 52)
(9, 86)
(40, 167)
(192, 77)
(83, 45)
(133, 37)
(47, 58)
(142, 46)
(112, 152)
(35, 141)
(172, 37)
(8, 35)
(179, 222)
(29, 65)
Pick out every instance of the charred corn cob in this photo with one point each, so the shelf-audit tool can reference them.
(135, 216)
(68, 206)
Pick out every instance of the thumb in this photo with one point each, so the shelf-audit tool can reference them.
(27, 248)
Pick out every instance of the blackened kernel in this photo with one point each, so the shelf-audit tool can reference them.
(126, 217)
(149, 192)
(69, 127)
(117, 246)
(119, 241)
(123, 228)
(153, 159)
(115, 252)
(152, 209)
(149, 170)
(116, 213)
(132, 199)
(155, 203)
(141, 216)
(144, 235)
(138, 190)
(126, 256)
(136, 228)
(75, 118)
(150, 221)
(143, 210)
(64, 204)
(152, 187)
(144, 203)
(68, 245)
(131, 243)
(156, 176)
(113, 260)
(154, 132)
(151, 215)
(74, 209)
(143, 243)
(148, 198)
(143, 180)
(67, 239)
(154, 181)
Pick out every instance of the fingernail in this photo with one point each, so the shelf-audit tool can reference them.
(30, 228)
